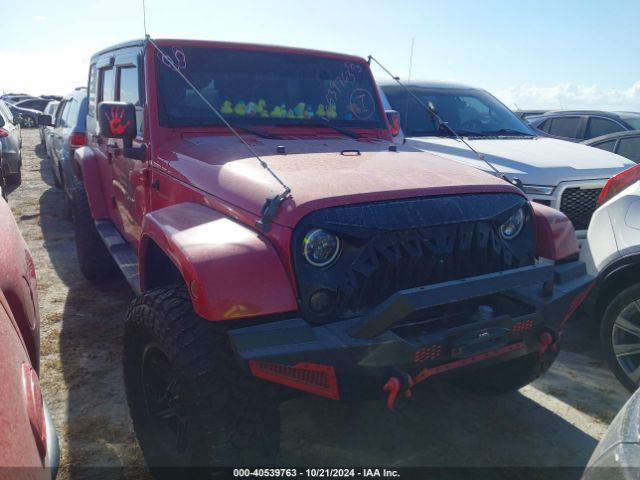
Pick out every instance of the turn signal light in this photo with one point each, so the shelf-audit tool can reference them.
(3, 133)
(309, 377)
(617, 183)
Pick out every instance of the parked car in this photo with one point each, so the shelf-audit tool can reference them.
(10, 148)
(15, 97)
(68, 132)
(27, 117)
(28, 437)
(333, 271)
(626, 144)
(559, 174)
(612, 254)
(578, 125)
(50, 110)
(617, 456)
(524, 114)
(33, 103)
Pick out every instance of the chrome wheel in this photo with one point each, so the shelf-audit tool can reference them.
(625, 341)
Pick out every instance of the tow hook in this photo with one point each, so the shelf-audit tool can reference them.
(548, 340)
(395, 385)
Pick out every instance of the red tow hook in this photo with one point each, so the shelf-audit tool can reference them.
(546, 341)
(393, 386)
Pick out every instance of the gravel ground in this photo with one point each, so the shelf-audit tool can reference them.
(555, 422)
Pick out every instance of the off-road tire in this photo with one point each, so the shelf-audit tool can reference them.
(507, 377)
(94, 259)
(230, 417)
(611, 313)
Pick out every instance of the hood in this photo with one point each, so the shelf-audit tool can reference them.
(535, 161)
(318, 174)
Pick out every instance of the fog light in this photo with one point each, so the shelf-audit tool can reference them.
(321, 301)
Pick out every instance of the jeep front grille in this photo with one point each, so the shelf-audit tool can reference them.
(395, 245)
(579, 204)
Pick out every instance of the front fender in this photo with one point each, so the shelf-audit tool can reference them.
(555, 235)
(86, 168)
(230, 270)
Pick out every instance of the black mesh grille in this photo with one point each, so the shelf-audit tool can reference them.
(579, 204)
(396, 245)
(398, 261)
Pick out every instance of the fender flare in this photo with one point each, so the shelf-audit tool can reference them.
(555, 235)
(87, 170)
(231, 271)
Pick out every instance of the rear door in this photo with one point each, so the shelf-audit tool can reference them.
(57, 136)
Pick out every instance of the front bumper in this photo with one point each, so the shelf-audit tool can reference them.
(423, 332)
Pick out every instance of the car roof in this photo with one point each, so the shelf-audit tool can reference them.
(602, 113)
(392, 85)
(217, 44)
(612, 136)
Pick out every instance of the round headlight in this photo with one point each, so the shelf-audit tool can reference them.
(320, 247)
(513, 226)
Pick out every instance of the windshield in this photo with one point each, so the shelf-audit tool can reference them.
(469, 112)
(264, 88)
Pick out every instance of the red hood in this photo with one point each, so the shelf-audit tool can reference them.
(317, 173)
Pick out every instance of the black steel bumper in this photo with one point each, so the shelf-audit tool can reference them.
(425, 329)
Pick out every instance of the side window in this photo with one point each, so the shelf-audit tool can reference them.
(609, 145)
(544, 126)
(106, 85)
(61, 114)
(71, 116)
(629, 147)
(565, 127)
(129, 91)
(128, 86)
(93, 84)
(601, 126)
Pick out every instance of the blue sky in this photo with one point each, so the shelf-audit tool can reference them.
(550, 54)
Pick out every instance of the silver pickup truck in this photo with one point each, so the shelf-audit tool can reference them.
(560, 174)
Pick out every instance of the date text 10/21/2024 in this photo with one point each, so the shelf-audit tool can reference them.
(315, 473)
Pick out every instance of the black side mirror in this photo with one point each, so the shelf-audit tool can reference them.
(45, 121)
(117, 120)
(393, 118)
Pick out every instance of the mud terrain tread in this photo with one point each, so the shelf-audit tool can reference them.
(94, 258)
(236, 415)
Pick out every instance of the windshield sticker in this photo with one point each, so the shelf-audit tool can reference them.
(361, 104)
(346, 77)
(179, 60)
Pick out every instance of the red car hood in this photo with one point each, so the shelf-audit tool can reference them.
(318, 174)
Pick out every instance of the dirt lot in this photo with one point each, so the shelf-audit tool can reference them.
(557, 421)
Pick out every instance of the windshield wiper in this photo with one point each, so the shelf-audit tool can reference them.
(327, 123)
(507, 131)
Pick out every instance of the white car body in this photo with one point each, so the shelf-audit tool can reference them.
(563, 175)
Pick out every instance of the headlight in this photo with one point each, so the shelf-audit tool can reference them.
(320, 247)
(537, 190)
(513, 226)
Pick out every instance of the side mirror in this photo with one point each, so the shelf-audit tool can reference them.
(45, 121)
(117, 120)
(394, 122)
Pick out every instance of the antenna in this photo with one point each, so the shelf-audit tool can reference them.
(270, 207)
(144, 18)
(440, 121)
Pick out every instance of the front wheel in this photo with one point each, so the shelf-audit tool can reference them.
(620, 337)
(190, 402)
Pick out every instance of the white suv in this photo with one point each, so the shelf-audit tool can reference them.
(612, 254)
(560, 174)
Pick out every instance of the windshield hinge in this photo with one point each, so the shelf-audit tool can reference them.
(270, 209)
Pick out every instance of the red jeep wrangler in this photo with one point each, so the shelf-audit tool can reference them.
(371, 271)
